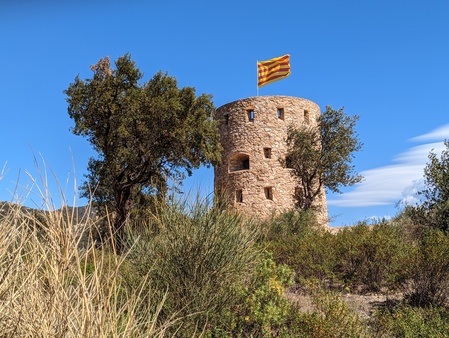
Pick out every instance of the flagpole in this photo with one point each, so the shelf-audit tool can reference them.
(257, 77)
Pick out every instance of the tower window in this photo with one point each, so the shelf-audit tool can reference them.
(226, 117)
(288, 162)
(239, 162)
(281, 114)
(267, 152)
(268, 193)
(306, 116)
(239, 196)
(250, 115)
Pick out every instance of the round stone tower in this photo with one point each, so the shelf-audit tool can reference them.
(253, 134)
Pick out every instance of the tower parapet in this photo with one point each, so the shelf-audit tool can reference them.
(253, 134)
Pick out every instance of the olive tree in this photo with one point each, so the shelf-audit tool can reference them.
(321, 155)
(144, 134)
(434, 209)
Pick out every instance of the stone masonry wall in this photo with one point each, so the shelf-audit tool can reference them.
(253, 134)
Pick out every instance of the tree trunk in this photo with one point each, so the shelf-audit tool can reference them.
(122, 212)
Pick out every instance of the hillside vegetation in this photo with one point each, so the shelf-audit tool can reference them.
(195, 271)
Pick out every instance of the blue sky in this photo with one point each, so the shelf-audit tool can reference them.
(385, 60)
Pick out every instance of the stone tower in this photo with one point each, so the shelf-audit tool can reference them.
(253, 134)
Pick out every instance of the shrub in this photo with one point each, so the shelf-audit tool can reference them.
(295, 239)
(369, 257)
(296, 223)
(407, 321)
(312, 256)
(330, 318)
(198, 256)
(428, 270)
(262, 308)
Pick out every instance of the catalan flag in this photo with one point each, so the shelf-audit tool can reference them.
(273, 70)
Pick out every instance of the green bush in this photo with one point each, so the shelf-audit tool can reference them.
(312, 256)
(263, 308)
(366, 258)
(296, 240)
(330, 318)
(296, 223)
(410, 322)
(197, 257)
(428, 270)
(370, 257)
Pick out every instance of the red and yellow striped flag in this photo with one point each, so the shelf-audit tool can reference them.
(273, 70)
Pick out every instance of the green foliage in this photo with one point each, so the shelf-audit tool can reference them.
(428, 270)
(321, 156)
(295, 223)
(144, 134)
(197, 256)
(304, 158)
(330, 318)
(311, 255)
(295, 239)
(262, 308)
(364, 258)
(338, 143)
(410, 322)
(370, 257)
(434, 211)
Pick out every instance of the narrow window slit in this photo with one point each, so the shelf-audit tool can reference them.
(268, 193)
(267, 152)
(281, 114)
(250, 113)
(239, 196)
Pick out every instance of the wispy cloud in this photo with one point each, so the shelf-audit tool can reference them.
(397, 182)
(439, 134)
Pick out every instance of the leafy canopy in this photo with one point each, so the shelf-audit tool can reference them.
(321, 155)
(434, 211)
(144, 134)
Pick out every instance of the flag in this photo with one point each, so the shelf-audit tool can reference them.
(273, 70)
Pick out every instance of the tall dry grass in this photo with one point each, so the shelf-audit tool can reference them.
(55, 283)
